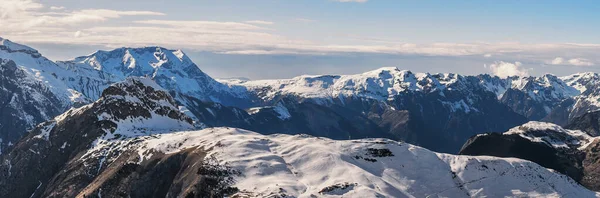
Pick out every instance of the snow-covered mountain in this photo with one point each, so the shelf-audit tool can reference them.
(30, 91)
(548, 97)
(41, 89)
(284, 165)
(588, 101)
(552, 135)
(86, 77)
(41, 69)
(533, 97)
(571, 152)
(24, 102)
(131, 108)
(420, 108)
(171, 69)
(387, 83)
(135, 133)
(380, 84)
(582, 81)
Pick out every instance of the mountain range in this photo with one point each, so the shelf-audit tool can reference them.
(134, 133)
(107, 123)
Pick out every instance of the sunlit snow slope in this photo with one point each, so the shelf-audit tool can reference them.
(304, 166)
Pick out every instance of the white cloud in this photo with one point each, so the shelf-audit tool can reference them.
(212, 25)
(77, 34)
(557, 61)
(573, 62)
(57, 7)
(259, 52)
(505, 69)
(259, 22)
(19, 16)
(115, 13)
(16, 8)
(580, 62)
(487, 55)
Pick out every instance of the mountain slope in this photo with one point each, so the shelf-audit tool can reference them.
(32, 90)
(120, 144)
(284, 165)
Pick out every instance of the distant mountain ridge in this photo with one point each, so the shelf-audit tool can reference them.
(539, 94)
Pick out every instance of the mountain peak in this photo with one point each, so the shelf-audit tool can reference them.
(132, 86)
(386, 70)
(140, 103)
(153, 56)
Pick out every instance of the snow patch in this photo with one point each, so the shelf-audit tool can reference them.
(283, 112)
(45, 131)
(552, 135)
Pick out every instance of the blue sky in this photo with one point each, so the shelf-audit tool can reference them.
(284, 38)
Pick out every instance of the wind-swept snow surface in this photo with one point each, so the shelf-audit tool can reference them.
(305, 166)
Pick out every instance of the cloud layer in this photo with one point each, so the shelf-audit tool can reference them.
(572, 61)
